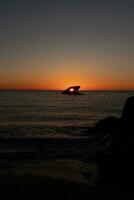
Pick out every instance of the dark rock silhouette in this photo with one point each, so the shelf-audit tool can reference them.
(116, 155)
(127, 117)
(107, 125)
(72, 90)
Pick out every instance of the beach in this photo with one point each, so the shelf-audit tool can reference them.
(30, 177)
(41, 172)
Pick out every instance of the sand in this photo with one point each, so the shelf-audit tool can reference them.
(53, 179)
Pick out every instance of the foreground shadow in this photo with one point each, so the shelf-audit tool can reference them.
(116, 153)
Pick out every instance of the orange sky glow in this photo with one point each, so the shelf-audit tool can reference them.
(51, 45)
(59, 84)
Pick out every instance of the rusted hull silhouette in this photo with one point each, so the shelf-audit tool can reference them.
(72, 90)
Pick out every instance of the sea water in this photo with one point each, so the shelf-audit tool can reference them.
(51, 129)
(50, 114)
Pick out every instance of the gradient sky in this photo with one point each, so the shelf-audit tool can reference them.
(52, 44)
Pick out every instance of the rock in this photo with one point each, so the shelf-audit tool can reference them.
(127, 117)
(122, 129)
(116, 160)
(107, 125)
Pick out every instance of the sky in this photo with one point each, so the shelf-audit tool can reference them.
(53, 44)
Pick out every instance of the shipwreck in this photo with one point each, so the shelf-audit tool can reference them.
(72, 90)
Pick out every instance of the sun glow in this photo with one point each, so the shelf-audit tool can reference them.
(71, 89)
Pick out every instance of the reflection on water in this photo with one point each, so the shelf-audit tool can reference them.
(52, 114)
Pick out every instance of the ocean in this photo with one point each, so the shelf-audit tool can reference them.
(50, 114)
(43, 135)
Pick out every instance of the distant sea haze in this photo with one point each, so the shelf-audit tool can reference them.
(51, 114)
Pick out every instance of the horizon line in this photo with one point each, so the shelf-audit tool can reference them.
(131, 90)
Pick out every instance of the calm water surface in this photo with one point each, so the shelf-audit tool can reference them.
(50, 114)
